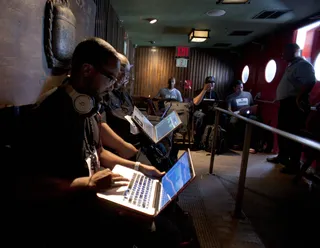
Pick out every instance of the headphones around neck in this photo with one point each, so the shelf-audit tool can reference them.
(82, 103)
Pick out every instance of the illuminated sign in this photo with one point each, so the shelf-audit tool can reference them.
(182, 52)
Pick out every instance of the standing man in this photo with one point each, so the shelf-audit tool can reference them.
(293, 93)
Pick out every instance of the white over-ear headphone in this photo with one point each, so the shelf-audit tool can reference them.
(82, 103)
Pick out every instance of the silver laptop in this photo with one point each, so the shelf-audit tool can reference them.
(150, 196)
(162, 129)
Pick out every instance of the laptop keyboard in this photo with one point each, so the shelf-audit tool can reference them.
(139, 191)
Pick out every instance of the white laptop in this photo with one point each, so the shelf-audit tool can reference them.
(162, 129)
(150, 196)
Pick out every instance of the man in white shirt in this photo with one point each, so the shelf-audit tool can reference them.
(293, 93)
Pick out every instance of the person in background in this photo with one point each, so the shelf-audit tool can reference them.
(236, 101)
(293, 95)
(240, 98)
(169, 93)
(117, 104)
(204, 115)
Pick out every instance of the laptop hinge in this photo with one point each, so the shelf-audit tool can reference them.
(155, 134)
(156, 199)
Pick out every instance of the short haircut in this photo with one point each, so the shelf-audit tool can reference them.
(93, 51)
(236, 83)
(169, 80)
(123, 60)
(292, 47)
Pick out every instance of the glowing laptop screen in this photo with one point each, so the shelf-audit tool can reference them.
(174, 180)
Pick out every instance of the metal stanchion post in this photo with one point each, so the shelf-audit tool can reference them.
(243, 170)
(215, 136)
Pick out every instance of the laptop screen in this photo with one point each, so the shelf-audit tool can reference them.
(167, 125)
(174, 180)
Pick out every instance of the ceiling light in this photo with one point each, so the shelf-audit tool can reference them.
(216, 12)
(198, 35)
(232, 1)
(152, 21)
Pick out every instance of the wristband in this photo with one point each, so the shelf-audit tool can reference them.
(136, 166)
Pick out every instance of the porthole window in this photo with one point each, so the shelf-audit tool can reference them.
(245, 74)
(317, 67)
(271, 70)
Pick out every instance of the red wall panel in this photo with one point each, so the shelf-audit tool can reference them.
(256, 56)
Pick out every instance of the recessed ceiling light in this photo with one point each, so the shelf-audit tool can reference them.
(152, 21)
(216, 12)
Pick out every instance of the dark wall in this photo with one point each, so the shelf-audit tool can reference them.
(154, 66)
(23, 67)
(108, 26)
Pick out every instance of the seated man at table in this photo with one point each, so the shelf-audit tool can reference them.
(64, 139)
(169, 93)
(204, 111)
(237, 102)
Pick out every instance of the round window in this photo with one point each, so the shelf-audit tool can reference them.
(245, 74)
(271, 70)
(317, 67)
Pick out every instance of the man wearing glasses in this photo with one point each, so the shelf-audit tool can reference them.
(69, 163)
(68, 126)
(118, 104)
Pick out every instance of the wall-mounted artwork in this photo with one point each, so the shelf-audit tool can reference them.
(59, 33)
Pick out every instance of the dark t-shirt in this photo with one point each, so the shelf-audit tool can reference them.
(206, 106)
(119, 100)
(60, 138)
(118, 104)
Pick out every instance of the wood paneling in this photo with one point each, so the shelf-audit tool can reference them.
(205, 63)
(154, 66)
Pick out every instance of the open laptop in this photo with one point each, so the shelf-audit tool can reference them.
(250, 110)
(150, 196)
(155, 118)
(162, 129)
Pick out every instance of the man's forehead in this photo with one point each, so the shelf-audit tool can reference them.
(112, 66)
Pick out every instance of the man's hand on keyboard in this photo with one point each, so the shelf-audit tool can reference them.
(150, 171)
(106, 179)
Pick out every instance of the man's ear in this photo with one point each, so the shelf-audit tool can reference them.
(87, 70)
